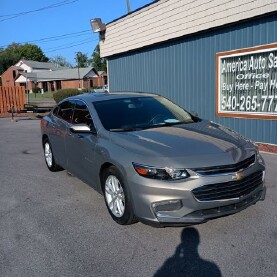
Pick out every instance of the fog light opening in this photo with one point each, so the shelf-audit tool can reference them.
(167, 206)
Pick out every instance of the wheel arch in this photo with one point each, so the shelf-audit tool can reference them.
(104, 166)
(44, 137)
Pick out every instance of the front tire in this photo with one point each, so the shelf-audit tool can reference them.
(49, 157)
(116, 196)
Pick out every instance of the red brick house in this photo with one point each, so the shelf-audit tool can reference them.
(51, 77)
(102, 79)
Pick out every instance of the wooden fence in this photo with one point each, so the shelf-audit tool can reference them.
(12, 96)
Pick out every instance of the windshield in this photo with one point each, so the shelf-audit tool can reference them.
(137, 113)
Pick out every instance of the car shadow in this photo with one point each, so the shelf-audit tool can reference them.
(186, 260)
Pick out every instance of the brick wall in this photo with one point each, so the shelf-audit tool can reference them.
(71, 84)
(8, 77)
(83, 83)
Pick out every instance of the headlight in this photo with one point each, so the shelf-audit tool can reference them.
(259, 158)
(166, 173)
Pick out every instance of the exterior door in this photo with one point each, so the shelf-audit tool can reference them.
(80, 147)
(61, 121)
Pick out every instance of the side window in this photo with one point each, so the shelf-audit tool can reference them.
(56, 111)
(66, 110)
(81, 114)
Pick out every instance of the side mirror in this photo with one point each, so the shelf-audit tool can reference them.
(82, 129)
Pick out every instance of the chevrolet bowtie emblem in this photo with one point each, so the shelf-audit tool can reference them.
(238, 176)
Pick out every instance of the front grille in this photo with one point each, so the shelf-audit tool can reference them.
(229, 190)
(225, 168)
(229, 209)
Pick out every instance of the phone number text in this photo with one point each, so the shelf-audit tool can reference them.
(263, 103)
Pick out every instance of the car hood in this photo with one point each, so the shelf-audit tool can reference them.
(194, 140)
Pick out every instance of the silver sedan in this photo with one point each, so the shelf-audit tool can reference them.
(152, 160)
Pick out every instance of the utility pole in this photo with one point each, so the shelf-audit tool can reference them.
(27, 91)
(128, 6)
(78, 64)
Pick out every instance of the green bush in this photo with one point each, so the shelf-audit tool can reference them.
(36, 90)
(63, 93)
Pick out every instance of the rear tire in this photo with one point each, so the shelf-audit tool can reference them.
(117, 198)
(49, 157)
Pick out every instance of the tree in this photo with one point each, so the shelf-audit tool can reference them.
(60, 60)
(82, 59)
(100, 64)
(8, 57)
(32, 52)
(15, 51)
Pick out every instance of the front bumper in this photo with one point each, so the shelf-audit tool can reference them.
(202, 216)
(185, 209)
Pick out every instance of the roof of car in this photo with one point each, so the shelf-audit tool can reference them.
(93, 97)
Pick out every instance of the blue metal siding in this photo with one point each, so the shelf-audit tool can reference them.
(184, 71)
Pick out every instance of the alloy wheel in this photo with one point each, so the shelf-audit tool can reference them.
(114, 195)
(48, 154)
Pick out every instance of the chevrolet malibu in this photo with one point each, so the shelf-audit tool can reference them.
(152, 160)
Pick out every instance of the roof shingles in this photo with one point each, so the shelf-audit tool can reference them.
(65, 74)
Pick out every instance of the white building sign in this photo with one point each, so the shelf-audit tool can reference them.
(247, 83)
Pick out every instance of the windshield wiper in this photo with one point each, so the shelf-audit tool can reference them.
(126, 129)
(180, 122)
(164, 124)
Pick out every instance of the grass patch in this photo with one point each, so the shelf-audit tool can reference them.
(41, 96)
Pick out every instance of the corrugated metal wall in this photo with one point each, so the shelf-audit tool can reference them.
(184, 71)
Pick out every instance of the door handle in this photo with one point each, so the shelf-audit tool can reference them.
(78, 136)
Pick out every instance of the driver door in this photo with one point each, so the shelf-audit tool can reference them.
(80, 147)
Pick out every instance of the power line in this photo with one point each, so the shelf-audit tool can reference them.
(64, 36)
(68, 47)
(47, 7)
(59, 37)
(59, 4)
(67, 44)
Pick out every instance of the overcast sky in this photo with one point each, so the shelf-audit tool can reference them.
(59, 27)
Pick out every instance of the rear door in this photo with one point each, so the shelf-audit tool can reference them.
(61, 122)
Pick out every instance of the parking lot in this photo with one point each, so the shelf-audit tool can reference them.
(53, 224)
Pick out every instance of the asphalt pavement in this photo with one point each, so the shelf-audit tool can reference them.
(52, 224)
